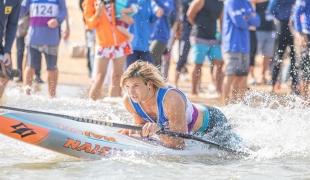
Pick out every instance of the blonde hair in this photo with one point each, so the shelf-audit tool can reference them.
(145, 71)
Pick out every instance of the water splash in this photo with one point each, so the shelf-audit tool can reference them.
(273, 126)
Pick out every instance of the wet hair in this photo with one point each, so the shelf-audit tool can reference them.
(145, 71)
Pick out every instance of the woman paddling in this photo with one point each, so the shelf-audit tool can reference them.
(156, 106)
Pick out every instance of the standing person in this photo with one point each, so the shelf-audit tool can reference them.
(156, 106)
(141, 31)
(184, 44)
(110, 44)
(160, 33)
(265, 34)
(203, 16)
(22, 31)
(303, 38)
(239, 15)
(44, 37)
(9, 14)
(282, 11)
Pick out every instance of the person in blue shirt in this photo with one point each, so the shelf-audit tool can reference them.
(302, 7)
(9, 14)
(141, 29)
(239, 15)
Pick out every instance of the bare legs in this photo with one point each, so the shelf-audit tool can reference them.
(266, 62)
(176, 79)
(304, 90)
(196, 77)
(233, 89)
(118, 64)
(52, 80)
(3, 83)
(126, 33)
(115, 89)
(101, 70)
(218, 75)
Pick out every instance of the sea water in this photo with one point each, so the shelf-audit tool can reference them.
(276, 131)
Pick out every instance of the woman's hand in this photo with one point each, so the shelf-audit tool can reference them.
(149, 129)
(128, 132)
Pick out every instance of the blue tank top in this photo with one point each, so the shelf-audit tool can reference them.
(162, 120)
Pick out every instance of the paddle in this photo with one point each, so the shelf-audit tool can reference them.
(125, 126)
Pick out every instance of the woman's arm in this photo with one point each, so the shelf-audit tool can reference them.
(174, 107)
(92, 13)
(136, 117)
(138, 120)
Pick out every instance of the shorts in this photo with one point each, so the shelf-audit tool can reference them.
(216, 127)
(113, 52)
(236, 63)
(201, 51)
(122, 24)
(265, 43)
(34, 56)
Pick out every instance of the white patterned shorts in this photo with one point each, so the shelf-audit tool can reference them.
(113, 52)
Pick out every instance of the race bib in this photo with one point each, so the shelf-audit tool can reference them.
(41, 13)
(44, 10)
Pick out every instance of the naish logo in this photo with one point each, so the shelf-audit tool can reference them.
(22, 130)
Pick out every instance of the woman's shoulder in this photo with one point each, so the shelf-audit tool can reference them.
(126, 99)
(173, 96)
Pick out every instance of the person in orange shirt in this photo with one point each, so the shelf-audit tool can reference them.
(110, 44)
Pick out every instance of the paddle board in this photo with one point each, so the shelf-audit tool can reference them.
(74, 138)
